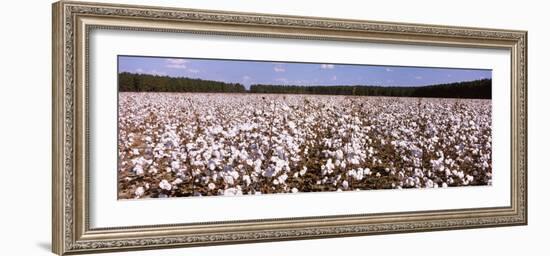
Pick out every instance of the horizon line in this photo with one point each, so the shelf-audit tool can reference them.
(310, 85)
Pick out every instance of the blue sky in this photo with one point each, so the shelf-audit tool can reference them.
(293, 73)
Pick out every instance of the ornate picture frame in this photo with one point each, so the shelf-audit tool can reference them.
(72, 24)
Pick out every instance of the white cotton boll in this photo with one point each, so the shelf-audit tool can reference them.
(291, 125)
(175, 165)
(294, 190)
(228, 179)
(135, 151)
(367, 171)
(303, 171)
(149, 162)
(410, 182)
(359, 174)
(216, 154)
(450, 180)
(429, 183)
(234, 174)
(178, 181)
(139, 192)
(401, 175)
(329, 165)
(247, 180)
(148, 139)
(469, 178)
(345, 184)
(164, 184)
(138, 169)
(339, 154)
(233, 191)
(211, 165)
(211, 186)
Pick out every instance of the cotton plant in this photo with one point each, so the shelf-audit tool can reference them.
(193, 144)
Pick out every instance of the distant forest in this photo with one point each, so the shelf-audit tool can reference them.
(130, 82)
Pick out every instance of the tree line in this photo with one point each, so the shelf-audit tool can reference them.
(477, 89)
(131, 82)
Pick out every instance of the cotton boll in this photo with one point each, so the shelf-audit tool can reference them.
(211, 165)
(175, 165)
(429, 183)
(345, 184)
(228, 179)
(232, 192)
(138, 169)
(247, 180)
(211, 186)
(339, 154)
(139, 192)
(164, 184)
(303, 171)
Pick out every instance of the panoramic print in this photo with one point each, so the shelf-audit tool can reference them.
(210, 127)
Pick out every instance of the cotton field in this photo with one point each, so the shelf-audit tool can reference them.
(191, 144)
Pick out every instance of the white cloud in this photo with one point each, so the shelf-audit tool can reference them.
(139, 70)
(176, 63)
(334, 78)
(301, 81)
(246, 78)
(282, 80)
(176, 66)
(389, 70)
(279, 69)
(192, 70)
(327, 66)
(418, 77)
(156, 73)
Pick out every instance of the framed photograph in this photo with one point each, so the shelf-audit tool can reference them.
(179, 127)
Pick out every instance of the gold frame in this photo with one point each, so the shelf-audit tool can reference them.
(72, 22)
